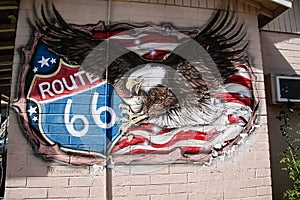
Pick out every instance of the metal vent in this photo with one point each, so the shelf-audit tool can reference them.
(287, 89)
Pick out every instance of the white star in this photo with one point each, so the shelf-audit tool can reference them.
(152, 52)
(44, 61)
(53, 60)
(137, 41)
(35, 69)
(34, 118)
(31, 110)
(156, 129)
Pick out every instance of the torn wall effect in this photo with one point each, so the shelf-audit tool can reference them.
(123, 90)
(135, 92)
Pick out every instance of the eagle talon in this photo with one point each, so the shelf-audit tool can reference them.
(124, 128)
(126, 112)
(133, 118)
(124, 120)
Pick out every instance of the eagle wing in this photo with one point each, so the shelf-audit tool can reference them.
(223, 41)
(223, 38)
(78, 45)
(65, 40)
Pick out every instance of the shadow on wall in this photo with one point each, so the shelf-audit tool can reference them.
(278, 52)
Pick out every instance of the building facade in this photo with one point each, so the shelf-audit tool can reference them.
(146, 99)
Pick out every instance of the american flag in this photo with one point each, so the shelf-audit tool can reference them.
(236, 95)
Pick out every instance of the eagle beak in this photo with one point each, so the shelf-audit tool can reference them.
(134, 85)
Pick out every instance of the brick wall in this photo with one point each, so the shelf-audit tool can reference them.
(243, 174)
(281, 56)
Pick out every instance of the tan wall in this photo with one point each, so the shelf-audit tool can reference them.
(281, 56)
(244, 174)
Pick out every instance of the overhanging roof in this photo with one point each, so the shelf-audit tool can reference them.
(269, 9)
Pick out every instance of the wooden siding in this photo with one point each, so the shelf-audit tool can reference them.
(288, 22)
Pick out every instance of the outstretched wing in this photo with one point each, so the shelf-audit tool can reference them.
(88, 45)
(223, 45)
(66, 40)
(223, 38)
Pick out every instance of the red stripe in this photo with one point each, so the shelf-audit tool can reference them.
(241, 67)
(125, 143)
(180, 136)
(106, 34)
(234, 119)
(184, 149)
(235, 98)
(193, 150)
(156, 55)
(239, 80)
(144, 151)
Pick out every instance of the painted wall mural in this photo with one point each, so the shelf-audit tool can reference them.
(91, 94)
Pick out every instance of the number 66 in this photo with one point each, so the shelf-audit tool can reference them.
(96, 116)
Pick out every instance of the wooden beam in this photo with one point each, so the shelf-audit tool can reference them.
(8, 7)
(6, 63)
(2, 77)
(4, 97)
(6, 47)
(7, 28)
(252, 3)
(3, 70)
(266, 12)
(8, 2)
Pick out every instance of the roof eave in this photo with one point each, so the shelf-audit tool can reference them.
(285, 3)
(269, 10)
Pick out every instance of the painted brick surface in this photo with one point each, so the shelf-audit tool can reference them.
(244, 172)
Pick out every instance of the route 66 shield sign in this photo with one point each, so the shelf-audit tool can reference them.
(68, 107)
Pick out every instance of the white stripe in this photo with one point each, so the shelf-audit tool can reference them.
(127, 37)
(237, 88)
(232, 132)
(80, 91)
(166, 137)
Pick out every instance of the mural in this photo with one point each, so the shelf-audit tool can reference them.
(125, 92)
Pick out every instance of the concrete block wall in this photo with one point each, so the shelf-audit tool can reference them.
(281, 56)
(243, 174)
(233, 179)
